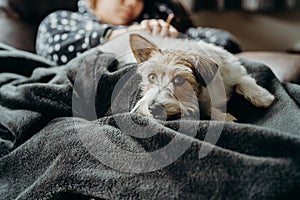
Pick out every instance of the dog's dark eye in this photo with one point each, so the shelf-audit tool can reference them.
(178, 80)
(152, 78)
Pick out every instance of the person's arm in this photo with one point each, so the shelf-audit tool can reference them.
(215, 36)
(63, 35)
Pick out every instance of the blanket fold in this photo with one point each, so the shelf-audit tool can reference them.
(61, 139)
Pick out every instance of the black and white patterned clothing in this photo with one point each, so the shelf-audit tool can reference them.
(64, 35)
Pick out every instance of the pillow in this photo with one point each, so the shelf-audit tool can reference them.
(36, 10)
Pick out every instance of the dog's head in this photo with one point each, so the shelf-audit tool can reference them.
(172, 80)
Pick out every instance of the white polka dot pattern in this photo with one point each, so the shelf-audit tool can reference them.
(63, 35)
(57, 47)
(63, 59)
(71, 48)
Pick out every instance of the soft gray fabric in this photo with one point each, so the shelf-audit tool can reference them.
(20, 62)
(45, 152)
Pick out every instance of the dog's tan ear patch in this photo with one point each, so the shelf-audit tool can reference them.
(141, 47)
(205, 70)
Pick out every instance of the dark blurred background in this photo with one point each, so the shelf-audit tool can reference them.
(265, 25)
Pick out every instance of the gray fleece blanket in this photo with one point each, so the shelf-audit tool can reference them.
(60, 139)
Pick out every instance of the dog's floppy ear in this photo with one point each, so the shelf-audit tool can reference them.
(141, 47)
(205, 69)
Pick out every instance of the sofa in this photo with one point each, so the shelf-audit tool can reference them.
(20, 20)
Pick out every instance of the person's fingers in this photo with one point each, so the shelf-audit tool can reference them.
(168, 30)
(159, 27)
(164, 28)
(173, 32)
(145, 24)
(170, 18)
(155, 26)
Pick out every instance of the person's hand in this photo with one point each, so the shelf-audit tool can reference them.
(159, 27)
(152, 26)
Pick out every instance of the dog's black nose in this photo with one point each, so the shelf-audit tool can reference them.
(157, 110)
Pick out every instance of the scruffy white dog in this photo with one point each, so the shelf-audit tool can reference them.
(182, 77)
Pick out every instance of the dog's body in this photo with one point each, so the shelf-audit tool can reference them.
(182, 77)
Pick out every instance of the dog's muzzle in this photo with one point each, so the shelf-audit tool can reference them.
(157, 111)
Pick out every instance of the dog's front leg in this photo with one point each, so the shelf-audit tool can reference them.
(257, 95)
(216, 114)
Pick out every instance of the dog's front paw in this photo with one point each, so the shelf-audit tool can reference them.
(257, 95)
(263, 99)
(230, 118)
(216, 114)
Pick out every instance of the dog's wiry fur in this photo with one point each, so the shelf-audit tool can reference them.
(182, 77)
(178, 82)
